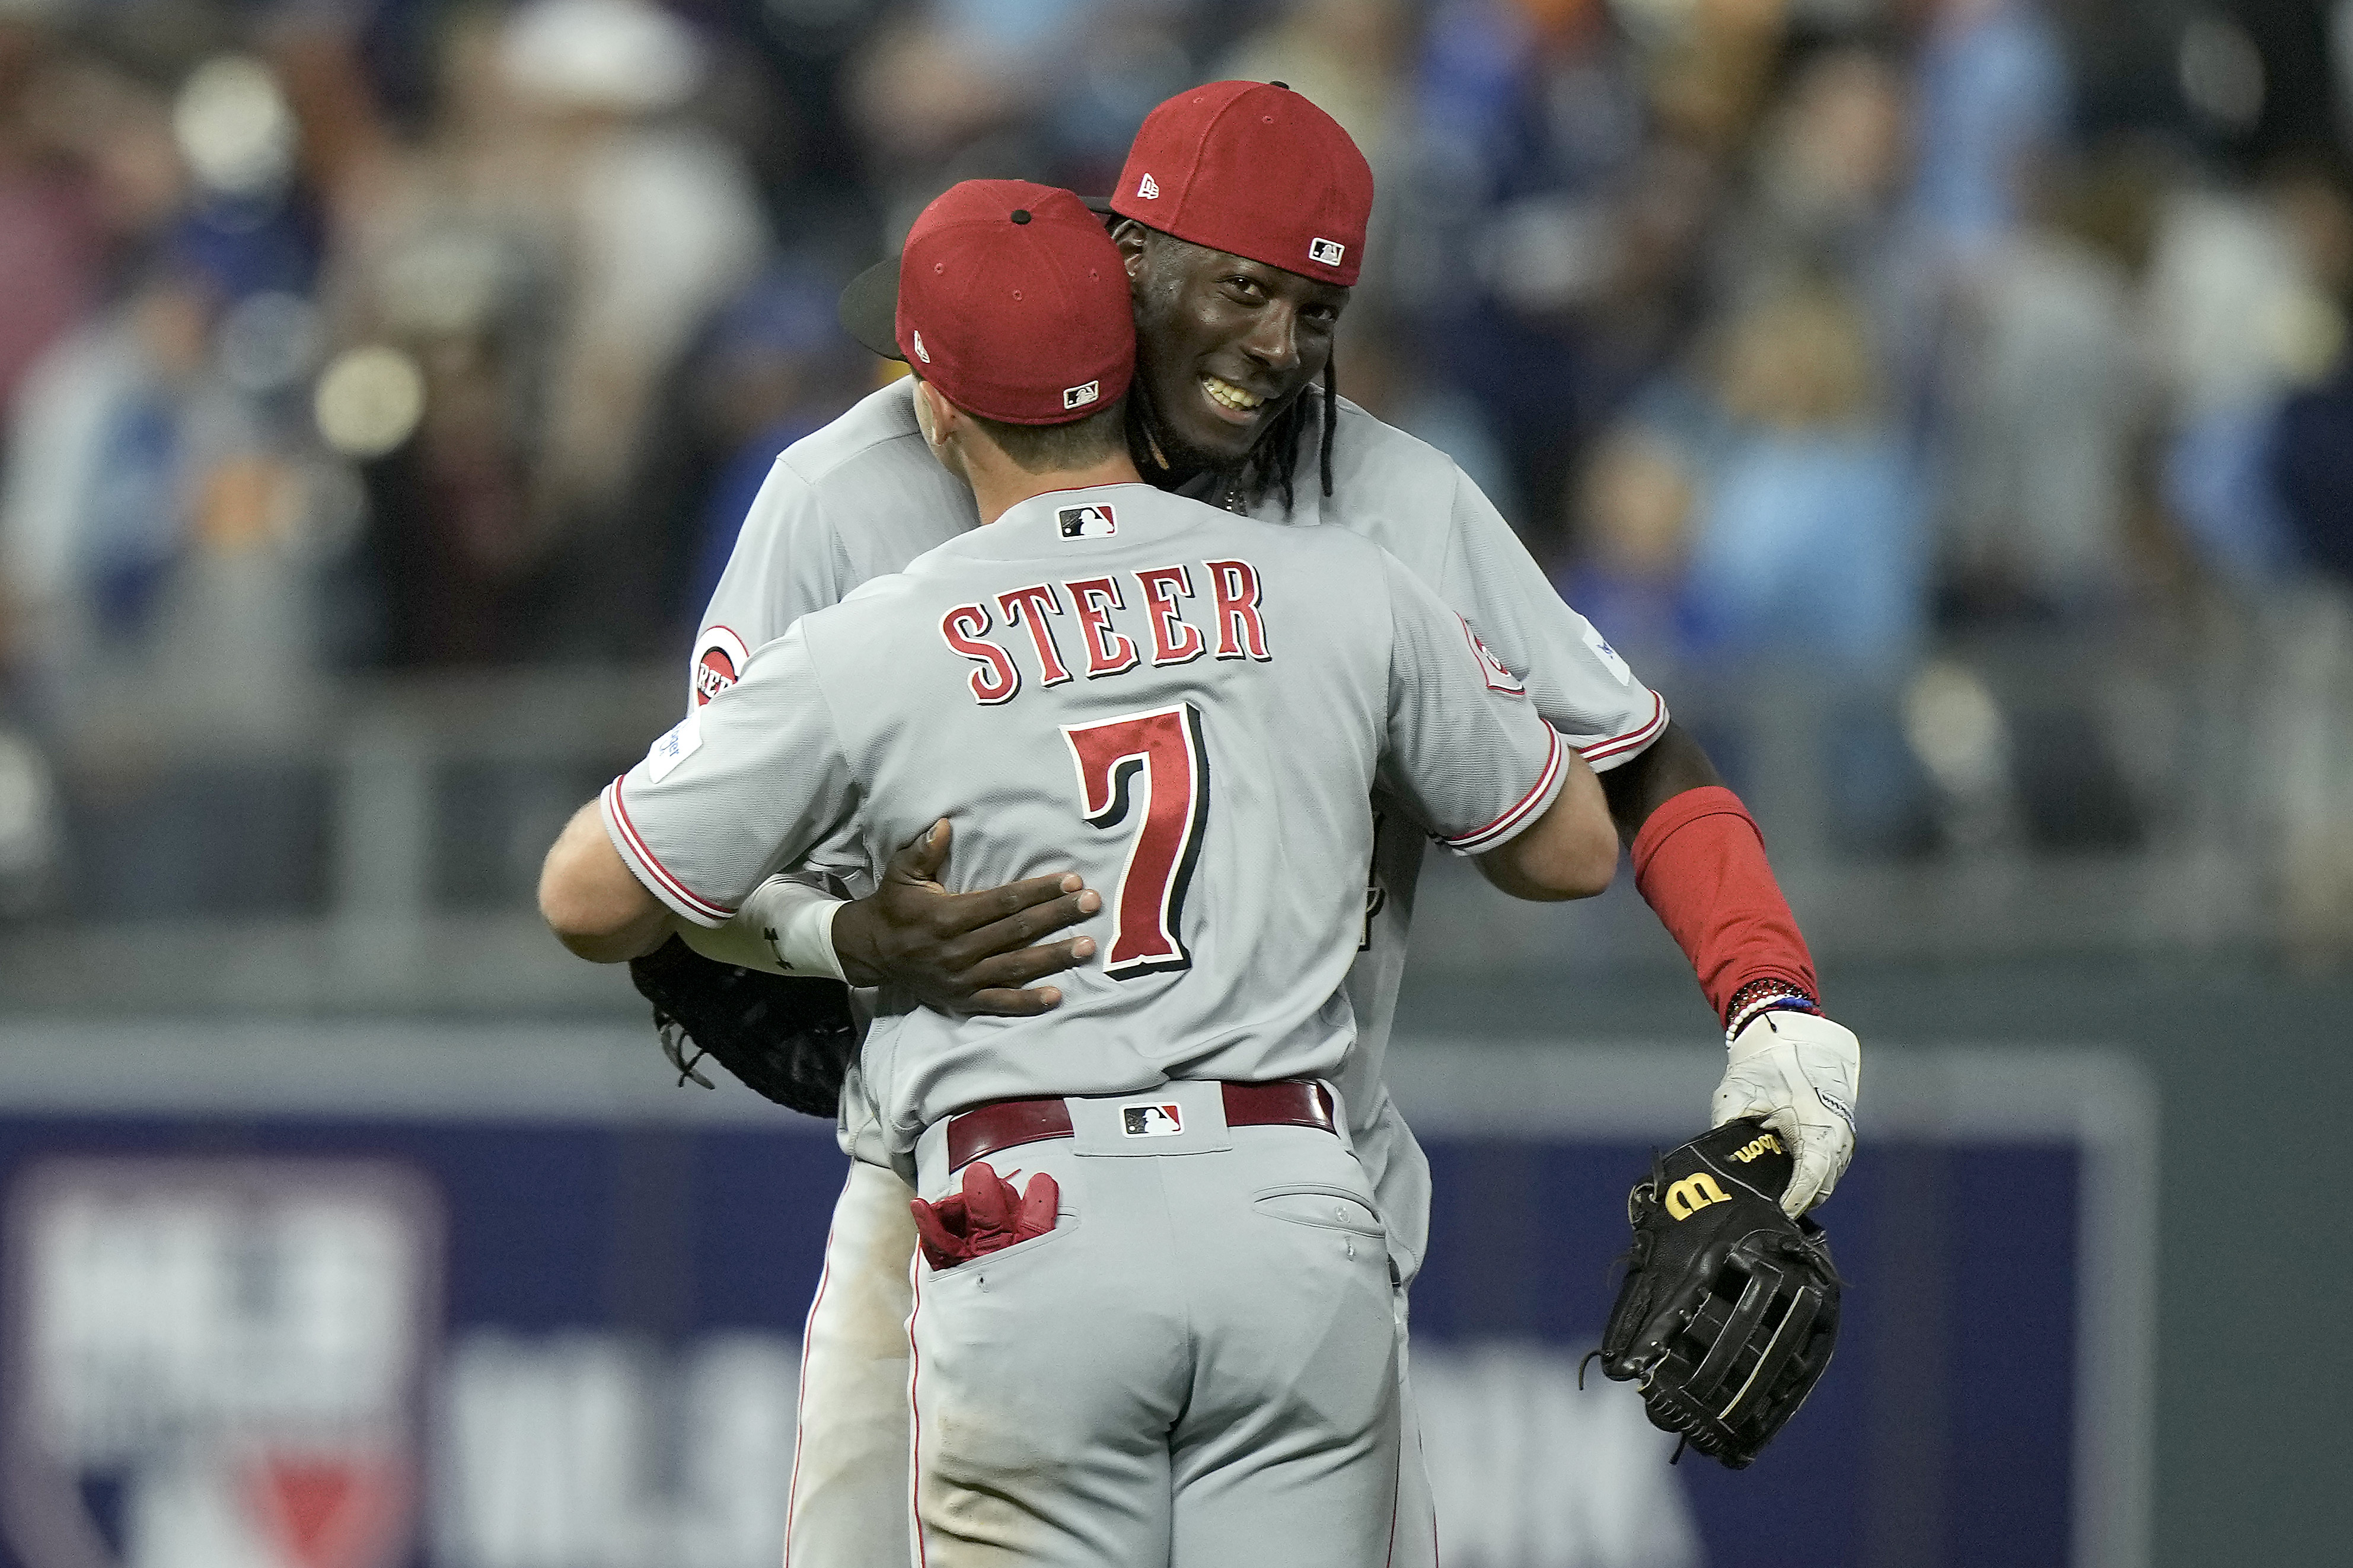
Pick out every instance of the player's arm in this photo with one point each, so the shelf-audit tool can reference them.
(1699, 857)
(750, 781)
(1467, 752)
(592, 901)
(1569, 852)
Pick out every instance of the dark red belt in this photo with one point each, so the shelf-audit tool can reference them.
(1003, 1123)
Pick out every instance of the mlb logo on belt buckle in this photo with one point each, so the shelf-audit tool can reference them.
(1094, 521)
(1151, 1120)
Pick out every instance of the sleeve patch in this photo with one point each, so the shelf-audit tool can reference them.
(1608, 657)
(684, 739)
(719, 660)
(1498, 675)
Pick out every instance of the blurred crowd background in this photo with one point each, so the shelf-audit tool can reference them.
(1946, 403)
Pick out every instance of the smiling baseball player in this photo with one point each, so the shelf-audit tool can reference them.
(1178, 1345)
(1239, 219)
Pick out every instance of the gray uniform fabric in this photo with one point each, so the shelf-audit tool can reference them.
(1195, 1367)
(1188, 708)
(864, 497)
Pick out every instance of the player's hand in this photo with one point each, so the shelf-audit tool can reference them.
(1798, 1073)
(963, 953)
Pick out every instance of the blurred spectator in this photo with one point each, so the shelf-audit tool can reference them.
(2311, 452)
(772, 366)
(1051, 90)
(50, 243)
(2245, 305)
(161, 525)
(1831, 157)
(1810, 538)
(1548, 241)
(2045, 399)
(1994, 101)
(657, 222)
(542, 259)
(1777, 513)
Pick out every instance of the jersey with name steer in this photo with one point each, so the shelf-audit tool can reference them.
(1188, 708)
(864, 497)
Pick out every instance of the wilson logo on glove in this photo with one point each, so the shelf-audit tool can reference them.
(1764, 1143)
(1728, 1313)
(1692, 1194)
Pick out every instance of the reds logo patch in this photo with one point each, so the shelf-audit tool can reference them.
(1151, 1120)
(719, 660)
(1498, 675)
(1096, 522)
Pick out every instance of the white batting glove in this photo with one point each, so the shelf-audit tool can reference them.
(1798, 1073)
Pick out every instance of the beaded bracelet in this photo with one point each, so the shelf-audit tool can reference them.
(1767, 994)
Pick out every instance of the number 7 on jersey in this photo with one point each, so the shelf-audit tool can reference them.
(1159, 756)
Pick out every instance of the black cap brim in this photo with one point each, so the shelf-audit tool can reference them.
(870, 305)
(870, 309)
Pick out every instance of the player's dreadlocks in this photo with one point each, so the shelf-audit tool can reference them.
(1272, 457)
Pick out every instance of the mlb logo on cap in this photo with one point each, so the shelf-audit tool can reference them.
(1327, 251)
(1087, 521)
(1080, 396)
(1151, 1120)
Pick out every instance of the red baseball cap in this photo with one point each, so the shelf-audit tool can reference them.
(1010, 299)
(1253, 169)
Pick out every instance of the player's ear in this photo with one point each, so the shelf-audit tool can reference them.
(1132, 238)
(934, 414)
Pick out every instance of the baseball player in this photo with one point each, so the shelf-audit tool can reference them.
(1240, 218)
(1181, 1348)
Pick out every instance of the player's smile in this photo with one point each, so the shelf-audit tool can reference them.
(1225, 343)
(1237, 404)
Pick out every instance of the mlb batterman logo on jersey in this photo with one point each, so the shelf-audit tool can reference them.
(217, 1364)
(1096, 522)
(1151, 1120)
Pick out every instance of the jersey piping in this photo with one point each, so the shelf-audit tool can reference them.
(668, 887)
(1539, 796)
(1634, 739)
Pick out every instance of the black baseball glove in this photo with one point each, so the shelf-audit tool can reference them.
(1729, 1310)
(787, 1038)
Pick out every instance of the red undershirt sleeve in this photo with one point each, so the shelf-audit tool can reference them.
(1699, 862)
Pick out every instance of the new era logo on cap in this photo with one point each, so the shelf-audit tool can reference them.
(1087, 521)
(1149, 190)
(920, 352)
(1151, 1120)
(1327, 252)
(1080, 396)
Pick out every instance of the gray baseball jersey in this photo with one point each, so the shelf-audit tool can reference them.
(864, 497)
(1188, 708)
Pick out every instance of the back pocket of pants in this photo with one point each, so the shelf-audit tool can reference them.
(1324, 1207)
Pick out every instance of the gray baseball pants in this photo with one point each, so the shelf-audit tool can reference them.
(1195, 1367)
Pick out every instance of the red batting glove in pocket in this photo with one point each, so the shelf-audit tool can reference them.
(987, 1217)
